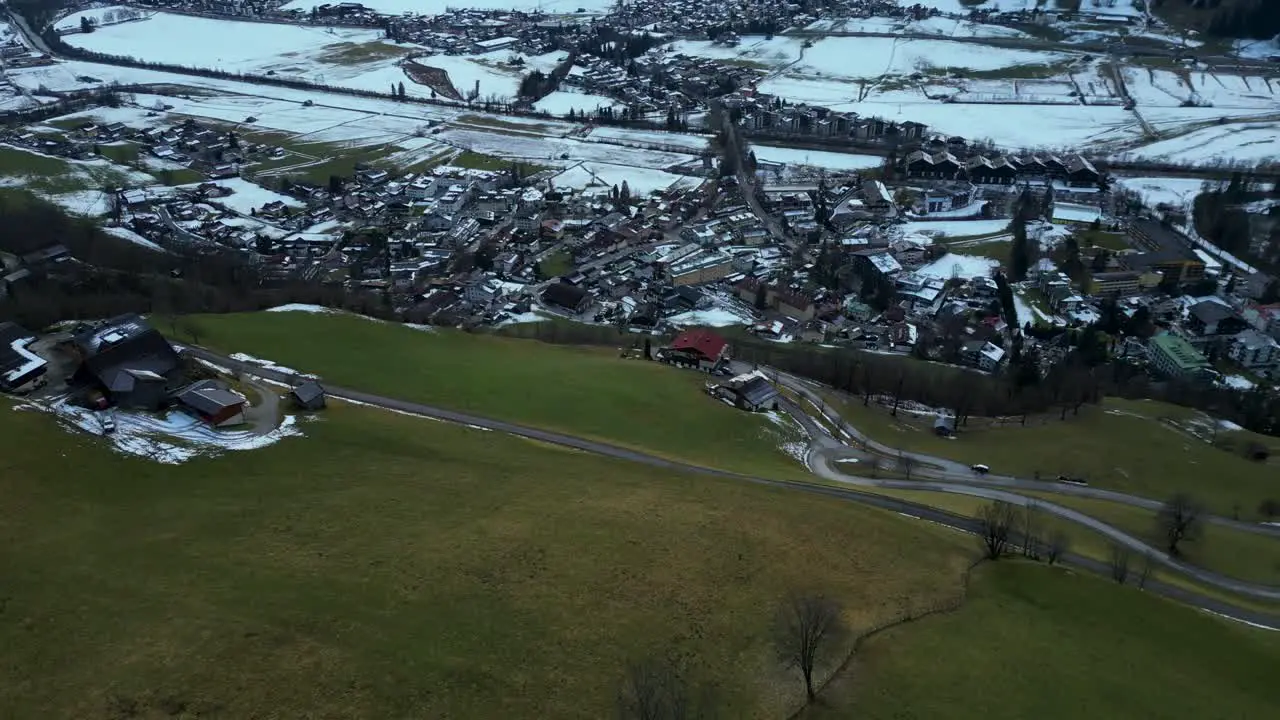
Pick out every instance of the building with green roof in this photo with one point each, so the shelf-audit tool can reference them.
(1175, 357)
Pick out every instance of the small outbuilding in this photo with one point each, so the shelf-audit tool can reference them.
(944, 426)
(212, 401)
(308, 396)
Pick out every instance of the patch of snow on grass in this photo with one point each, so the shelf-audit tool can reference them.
(268, 365)
(301, 307)
(1237, 382)
(172, 437)
(131, 236)
(959, 266)
(717, 317)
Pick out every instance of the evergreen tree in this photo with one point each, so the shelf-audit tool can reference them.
(86, 25)
(1005, 292)
(1046, 203)
(400, 88)
(1019, 251)
(625, 194)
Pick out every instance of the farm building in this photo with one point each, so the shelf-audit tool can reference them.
(212, 401)
(128, 360)
(308, 396)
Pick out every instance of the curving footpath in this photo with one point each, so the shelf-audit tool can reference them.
(923, 512)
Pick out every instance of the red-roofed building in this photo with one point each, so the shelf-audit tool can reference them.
(699, 348)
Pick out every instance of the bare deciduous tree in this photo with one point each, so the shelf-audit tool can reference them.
(805, 624)
(1030, 543)
(654, 689)
(1179, 521)
(1059, 542)
(1144, 570)
(907, 462)
(190, 328)
(1119, 563)
(995, 527)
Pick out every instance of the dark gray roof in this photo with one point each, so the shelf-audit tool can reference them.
(208, 397)
(1209, 311)
(758, 391)
(564, 295)
(308, 391)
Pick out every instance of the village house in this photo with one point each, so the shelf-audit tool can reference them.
(701, 349)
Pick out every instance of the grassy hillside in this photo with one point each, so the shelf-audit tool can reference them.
(1035, 642)
(384, 566)
(585, 391)
(1143, 448)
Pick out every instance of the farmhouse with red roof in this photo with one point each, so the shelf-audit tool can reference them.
(696, 348)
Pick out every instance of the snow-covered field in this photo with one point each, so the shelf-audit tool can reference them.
(355, 58)
(625, 136)
(640, 181)
(1071, 212)
(858, 58)
(957, 228)
(816, 158)
(1223, 91)
(220, 44)
(872, 57)
(246, 197)
(131, 236)
(775, 52)
(717, 317)
(548, 150)
(1066, 127)
(560, 103)
(952, 265)
(1241, 142)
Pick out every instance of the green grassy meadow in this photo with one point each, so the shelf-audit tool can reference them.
(1142, 448)
(51, 175)
(1036, 642)
(589, 392)
(385, 566)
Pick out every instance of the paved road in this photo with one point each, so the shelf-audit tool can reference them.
(941, 469)
(825, 451)
(902, 507)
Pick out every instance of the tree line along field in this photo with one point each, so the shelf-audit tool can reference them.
(589, 392)
(390, 566)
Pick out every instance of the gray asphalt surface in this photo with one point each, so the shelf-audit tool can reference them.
(903, 507)
(937, 468)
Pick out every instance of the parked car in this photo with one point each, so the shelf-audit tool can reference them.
(108, 420)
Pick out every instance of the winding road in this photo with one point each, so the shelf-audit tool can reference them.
(822, 453)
